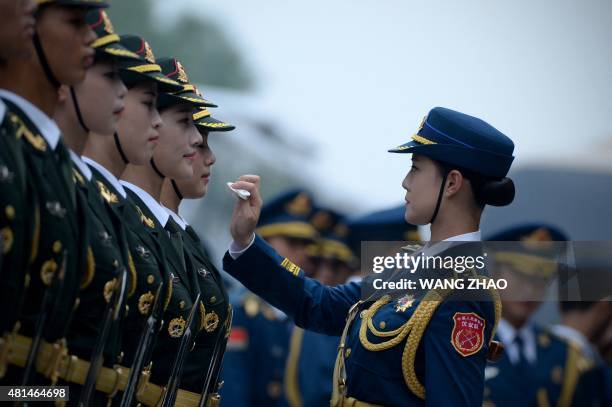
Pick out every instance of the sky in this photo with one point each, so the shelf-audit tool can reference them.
(356, 77)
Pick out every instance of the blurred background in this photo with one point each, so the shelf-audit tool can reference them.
(320, 90)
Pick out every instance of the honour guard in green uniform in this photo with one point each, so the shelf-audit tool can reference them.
(185, 313)
(17, 204)
(94, 106)
(107, 153)
(215, 309)
(61, 54)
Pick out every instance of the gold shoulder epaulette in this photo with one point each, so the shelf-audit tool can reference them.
(107, 194)
(77, 177)
(144, 219)
(37, 141)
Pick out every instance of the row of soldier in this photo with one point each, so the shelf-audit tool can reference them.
(110, 288)
(110, 291)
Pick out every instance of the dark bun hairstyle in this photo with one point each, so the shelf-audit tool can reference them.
(496, 192)
(487, 190)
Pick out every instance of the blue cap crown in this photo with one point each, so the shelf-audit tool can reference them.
(465, 141)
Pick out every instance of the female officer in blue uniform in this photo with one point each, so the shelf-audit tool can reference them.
(419, 349)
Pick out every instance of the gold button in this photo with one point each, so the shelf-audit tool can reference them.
(115, 263)
(382, 324)
(347, 353)
(57, 246)
(362, 314)
(150, 279)
(182, 304)
(213, 299)
(10, 212)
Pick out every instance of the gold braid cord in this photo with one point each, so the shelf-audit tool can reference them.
(90, 268)
(413, 331)
(168, 294)
(133, 275)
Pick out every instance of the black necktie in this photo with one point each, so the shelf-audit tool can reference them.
(522, 364)
(174, 230)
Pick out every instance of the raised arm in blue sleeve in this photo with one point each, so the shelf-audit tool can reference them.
(281, 283)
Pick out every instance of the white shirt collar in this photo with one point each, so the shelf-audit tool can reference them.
(48, 128)
(2, 110)
(507, 333)
(439, 247)
(81, 165)
(107, 175)
(177, 218)
(466, 237)
(155, 207)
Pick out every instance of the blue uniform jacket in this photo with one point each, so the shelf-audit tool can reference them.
(447, 363)
(551, 381)
(254, 362)
(310, 368)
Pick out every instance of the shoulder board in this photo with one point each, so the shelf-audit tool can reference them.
(107, 194)
(144, 219)
(21, 130)
(77, 177)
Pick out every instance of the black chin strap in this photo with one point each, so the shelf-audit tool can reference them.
(440, 193)
(120, 149)
(77, 109)
(161, 175)
(177, 191)
(42, 57)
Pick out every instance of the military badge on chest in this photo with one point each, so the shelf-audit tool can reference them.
(55, 209)
(208, 321)
(144, 302)
(467, 336)
(142, 252)
(404, 303)
(6, 176)
(202, 272)
(176, 327)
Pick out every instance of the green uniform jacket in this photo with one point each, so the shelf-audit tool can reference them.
(146, 262)
(18, 215)
(62, 244)
(148, 238)
(107, 258)
(214, 312)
